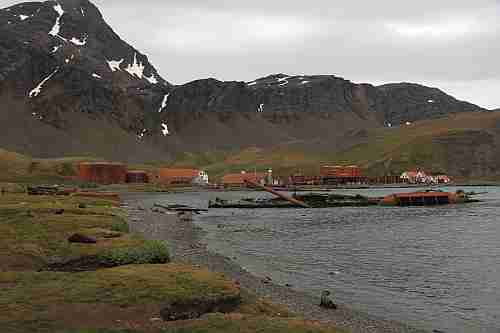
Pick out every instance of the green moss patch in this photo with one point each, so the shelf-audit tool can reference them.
(249, 324)
(33, 236)
(47, 298)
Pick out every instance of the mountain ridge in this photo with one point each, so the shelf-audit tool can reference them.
(70, 86)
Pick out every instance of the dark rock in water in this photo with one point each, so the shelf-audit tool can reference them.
(79, 238)
(326, 301)
(197, 307)
(59, 211)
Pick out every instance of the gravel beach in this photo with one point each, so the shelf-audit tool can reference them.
(184, 238)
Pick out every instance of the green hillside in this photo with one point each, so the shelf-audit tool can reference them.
(436, 145)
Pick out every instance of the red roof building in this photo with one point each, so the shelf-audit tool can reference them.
(169, 176)
(238, 179)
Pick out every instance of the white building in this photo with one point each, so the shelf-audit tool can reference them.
(202, 178)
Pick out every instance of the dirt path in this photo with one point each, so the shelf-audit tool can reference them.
(184, 242)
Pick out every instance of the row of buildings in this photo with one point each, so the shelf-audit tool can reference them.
(421, 177)
(115, 173)
(118, 173)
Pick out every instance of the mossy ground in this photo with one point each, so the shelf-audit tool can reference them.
(53, 298)
(112, 300)
(232, 323)
(32, 235)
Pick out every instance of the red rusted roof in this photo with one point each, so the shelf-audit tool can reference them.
(421, 194)
(178, 173)
(239, 178)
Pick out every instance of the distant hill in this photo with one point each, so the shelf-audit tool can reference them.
(21, 168)
(466, 146)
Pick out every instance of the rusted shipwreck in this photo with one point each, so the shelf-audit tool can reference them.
(320, 200)
(312, 200)
(427, 198)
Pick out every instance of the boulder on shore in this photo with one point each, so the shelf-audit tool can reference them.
(197, 307)
(80, 238)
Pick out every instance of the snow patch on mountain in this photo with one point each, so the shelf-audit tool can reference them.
(115, 65)
(164, 103)
(151, 79)
(283, 81)
(136, 68)
(56, 48)
(38, 89)
(79, 42)
(97, 76)
(165, 130)
(142, 133)
(57, 26)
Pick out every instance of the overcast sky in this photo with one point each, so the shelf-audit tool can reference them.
(450, 44)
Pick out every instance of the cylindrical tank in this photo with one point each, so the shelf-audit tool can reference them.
(137, 177)
(102, 172)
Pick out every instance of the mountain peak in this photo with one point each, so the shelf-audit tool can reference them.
(73, 32)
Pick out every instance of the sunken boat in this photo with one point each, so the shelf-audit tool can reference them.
(311, 200)
(427, 198)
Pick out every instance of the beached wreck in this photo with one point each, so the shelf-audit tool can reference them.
(320, 200)
(312, 200)
(427, 198)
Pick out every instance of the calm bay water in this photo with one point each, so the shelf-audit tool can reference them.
(435, 267)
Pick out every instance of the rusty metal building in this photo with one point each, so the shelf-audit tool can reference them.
(137, 177)
(102, 172)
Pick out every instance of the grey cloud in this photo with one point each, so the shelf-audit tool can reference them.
(450, 42)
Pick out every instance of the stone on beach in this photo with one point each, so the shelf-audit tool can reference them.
(80, 238)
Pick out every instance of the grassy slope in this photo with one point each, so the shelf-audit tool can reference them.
(23, 169)
(383, 151)
(43, 300)
(31, 233)
(107, 300)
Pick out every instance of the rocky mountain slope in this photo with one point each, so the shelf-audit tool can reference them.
(315, 111)
(70, 86)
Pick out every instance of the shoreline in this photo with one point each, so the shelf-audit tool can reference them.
(184, 238)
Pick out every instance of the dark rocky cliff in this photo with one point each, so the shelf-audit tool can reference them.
(319, 109)
(59, 61)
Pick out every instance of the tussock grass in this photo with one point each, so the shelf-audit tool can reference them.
(30, 298)
(250, 324)
(32, 235)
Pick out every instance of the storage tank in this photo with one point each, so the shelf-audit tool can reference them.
(102, 172)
